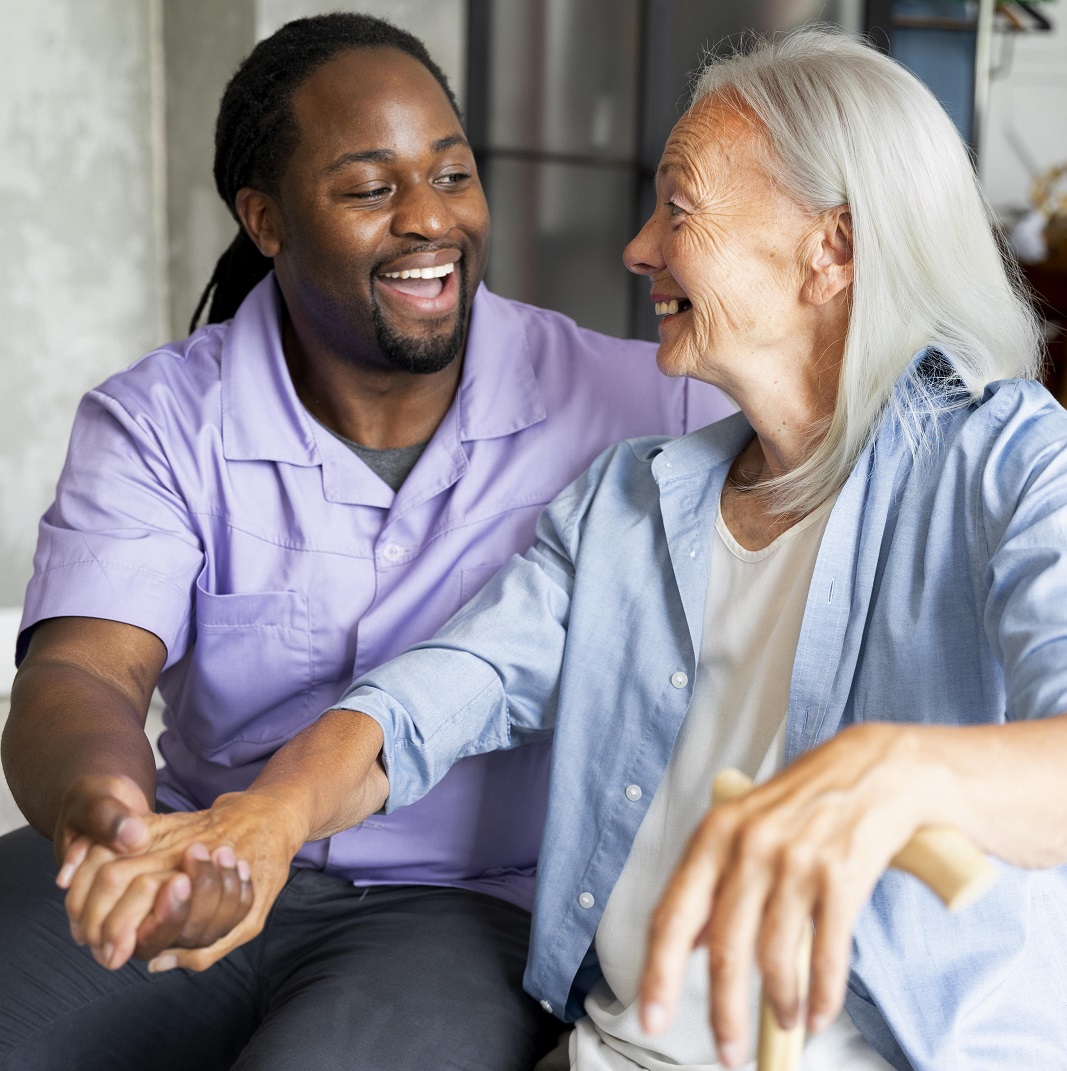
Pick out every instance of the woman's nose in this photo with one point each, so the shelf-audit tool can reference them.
(642, 255)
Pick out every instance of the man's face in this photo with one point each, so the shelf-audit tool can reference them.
(382, 184)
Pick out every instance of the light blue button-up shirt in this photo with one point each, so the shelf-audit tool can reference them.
(939, 596)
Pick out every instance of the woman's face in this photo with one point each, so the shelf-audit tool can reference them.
(726, 252)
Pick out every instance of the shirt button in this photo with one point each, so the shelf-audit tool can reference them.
(586, 900)
(546, 1006)
(633, 793)
(679, 679)
(391, 552)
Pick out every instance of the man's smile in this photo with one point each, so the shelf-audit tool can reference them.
(418, 285)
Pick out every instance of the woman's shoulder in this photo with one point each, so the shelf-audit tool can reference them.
(1017, 420)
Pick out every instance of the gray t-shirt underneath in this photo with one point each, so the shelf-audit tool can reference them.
(392, 466)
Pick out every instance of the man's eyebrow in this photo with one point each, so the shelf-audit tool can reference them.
(387, 156)
(368, 156)
(449, 142)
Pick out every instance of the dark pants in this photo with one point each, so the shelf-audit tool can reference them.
(398, 977)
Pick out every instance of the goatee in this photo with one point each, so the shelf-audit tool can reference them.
(423, 356)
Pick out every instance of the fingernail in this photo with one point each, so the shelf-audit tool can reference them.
(130, 831)
(730, 1053)
(109, 954)
(199, 852)
(66, 874)
(180, 889)
(226, 856)
(76, 933)
(655, 1018)
(818, 1023)
(162, 963)
(244, 871)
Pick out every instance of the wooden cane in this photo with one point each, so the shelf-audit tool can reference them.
(945, 859)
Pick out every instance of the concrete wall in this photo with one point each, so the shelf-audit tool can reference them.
(82, 286)
(107, 204)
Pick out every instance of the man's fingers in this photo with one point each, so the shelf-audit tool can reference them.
(73, 858)
(199, 959)
(162, 926)
(108, 821)
(118, 932)
(81, 886)
(208, 895)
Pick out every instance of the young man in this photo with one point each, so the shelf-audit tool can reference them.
(253, 516)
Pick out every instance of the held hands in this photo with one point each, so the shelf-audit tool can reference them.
(808, 846)
(171, 888)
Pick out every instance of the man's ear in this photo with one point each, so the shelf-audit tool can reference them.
(259, 214)
(830, 267)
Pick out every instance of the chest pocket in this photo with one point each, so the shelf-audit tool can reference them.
(249, 680)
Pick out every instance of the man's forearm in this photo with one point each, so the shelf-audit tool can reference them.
(328, 778)
(66, 724)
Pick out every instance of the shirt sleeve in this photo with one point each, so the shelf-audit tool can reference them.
(1023, 513)
(117, 543)
(489, 679)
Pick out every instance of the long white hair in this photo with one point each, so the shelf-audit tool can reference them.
(849, 126)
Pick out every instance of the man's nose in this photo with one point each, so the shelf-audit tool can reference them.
(421, 210)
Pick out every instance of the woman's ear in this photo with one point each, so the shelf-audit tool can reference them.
(830, 267)
(259, 215)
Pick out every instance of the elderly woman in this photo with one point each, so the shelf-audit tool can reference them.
(859, 581)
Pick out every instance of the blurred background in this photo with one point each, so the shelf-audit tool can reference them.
(112, 225)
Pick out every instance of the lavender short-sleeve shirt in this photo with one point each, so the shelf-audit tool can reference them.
(201, 502)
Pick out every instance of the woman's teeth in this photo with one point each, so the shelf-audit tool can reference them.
(421, 273)
(669, 308)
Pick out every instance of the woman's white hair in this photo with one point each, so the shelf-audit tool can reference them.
(849, 126)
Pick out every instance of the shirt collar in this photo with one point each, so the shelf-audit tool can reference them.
(498, 393)
(263, 420)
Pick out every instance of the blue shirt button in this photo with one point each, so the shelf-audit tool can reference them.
(679, 679)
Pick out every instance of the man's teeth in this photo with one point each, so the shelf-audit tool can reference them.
(668, 308)
(421, 273)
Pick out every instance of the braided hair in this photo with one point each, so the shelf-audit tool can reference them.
(256, 133)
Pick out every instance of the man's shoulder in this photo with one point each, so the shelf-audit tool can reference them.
(617, 378)
(172, 375)
(548, 330)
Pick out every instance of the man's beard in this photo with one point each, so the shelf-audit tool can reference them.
(423, 356)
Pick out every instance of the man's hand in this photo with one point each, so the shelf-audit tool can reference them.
(203, 886)
(98, 809)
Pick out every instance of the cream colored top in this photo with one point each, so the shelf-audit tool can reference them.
(752, 616)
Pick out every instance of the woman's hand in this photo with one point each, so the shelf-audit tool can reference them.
(203, 885)
(806, 847)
